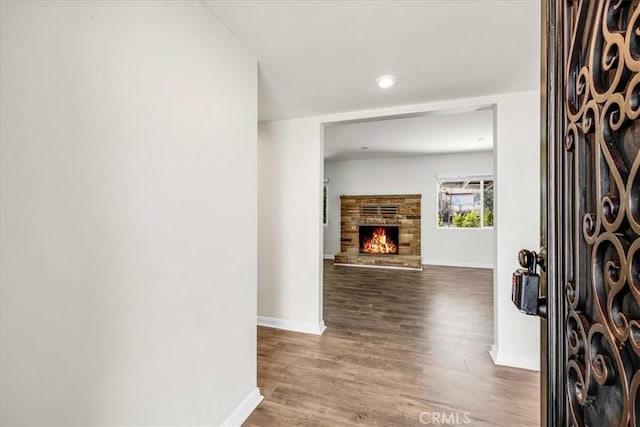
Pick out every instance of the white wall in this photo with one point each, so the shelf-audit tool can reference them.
(128, 232)
(291, 151)
(517, 201)
(414, 175)
(289, 225)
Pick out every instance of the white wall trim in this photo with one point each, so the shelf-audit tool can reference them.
(459, 264)
(292, 325)
(327, 256)
(532, 364)
(244, 409)
(387, 267)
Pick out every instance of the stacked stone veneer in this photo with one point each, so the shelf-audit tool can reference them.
(407, 217)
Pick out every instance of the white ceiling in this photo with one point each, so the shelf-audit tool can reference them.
(319, 57)
(410, 136)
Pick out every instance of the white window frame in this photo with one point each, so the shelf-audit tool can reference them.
(474, 177)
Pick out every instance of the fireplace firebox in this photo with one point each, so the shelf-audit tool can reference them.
(379, 239)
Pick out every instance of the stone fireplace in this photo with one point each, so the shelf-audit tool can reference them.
(380, 231)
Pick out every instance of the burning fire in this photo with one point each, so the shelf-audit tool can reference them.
(379, 243)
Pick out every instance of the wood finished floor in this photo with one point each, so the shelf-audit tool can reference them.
(398, 345)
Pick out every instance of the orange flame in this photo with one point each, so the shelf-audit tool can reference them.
(379, 243)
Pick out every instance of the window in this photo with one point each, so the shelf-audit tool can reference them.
(325, 202)
(465, 202)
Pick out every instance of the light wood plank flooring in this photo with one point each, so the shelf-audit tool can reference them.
(399, 345)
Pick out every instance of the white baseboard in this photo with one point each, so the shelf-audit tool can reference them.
(532, 364)
(388, 267)
(291, 325)
(493, 352)
(326, 256)
(244, 409)
(458, 264)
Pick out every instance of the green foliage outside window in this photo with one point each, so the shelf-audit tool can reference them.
(471, 219)
(458, 220)
(468, 219)
(488, 218)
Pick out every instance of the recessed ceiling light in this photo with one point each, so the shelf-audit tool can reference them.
(385, 82)
(364, 148)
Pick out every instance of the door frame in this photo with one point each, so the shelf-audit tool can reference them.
(552, 384)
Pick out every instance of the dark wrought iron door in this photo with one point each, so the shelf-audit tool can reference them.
(593, 201)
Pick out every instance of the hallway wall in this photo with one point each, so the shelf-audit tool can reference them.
(128, 149)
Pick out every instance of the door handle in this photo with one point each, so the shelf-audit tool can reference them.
(525, 284)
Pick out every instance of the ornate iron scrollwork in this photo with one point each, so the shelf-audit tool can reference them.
(602, 199)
